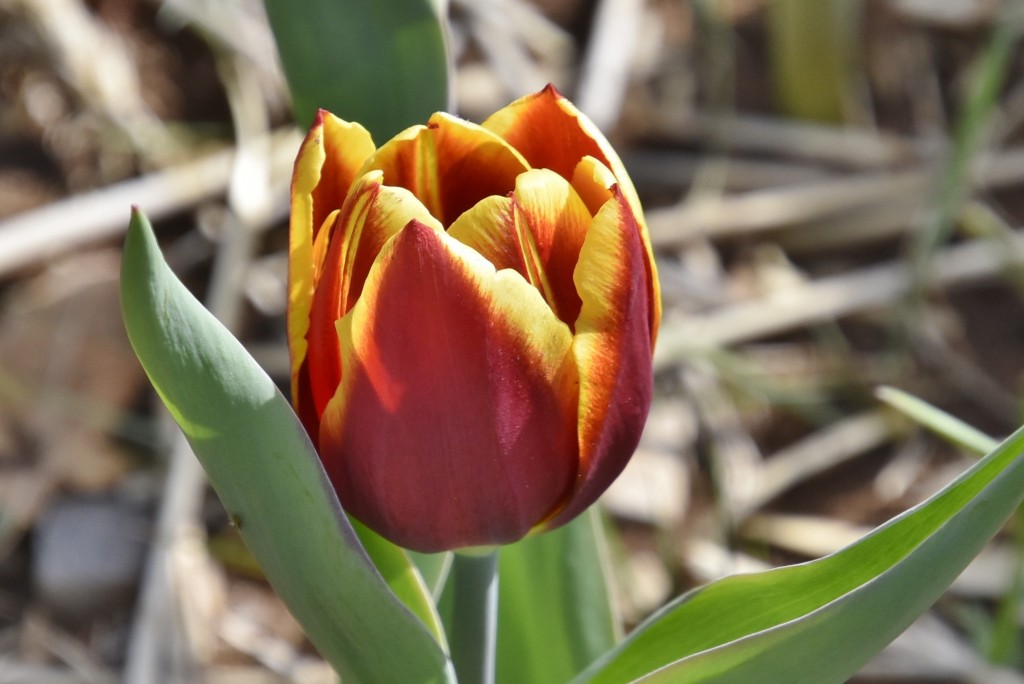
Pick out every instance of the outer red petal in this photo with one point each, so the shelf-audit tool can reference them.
(325, 168)
(371, 215)
(455, 424)
(613, 351)
(551, 133)
(450, 165)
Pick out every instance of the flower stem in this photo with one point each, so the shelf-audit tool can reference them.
(474, 616)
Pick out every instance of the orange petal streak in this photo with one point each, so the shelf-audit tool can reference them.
(371, 215)
(331, 154)
(613, 351)
(551, 133)
(455, 424)
(450, 165)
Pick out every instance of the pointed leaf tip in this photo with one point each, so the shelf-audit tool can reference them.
(267, 473)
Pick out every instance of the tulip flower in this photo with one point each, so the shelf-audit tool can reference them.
(472, 313)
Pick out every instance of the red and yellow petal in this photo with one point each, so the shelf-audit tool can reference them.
(455, 423)
(553, 215)
(302, 390)
(537, 232)
(551, 133)
(613, 349)
(593, 182)
(331, 155)
(372, 214)
(321, 243)
(489, 228)
(450, 165)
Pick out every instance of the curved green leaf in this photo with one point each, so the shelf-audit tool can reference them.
(554, 609)
(819, 622)
(269, 478)
(938, 421)
(403, 576)
(382, 63)
(434, 568)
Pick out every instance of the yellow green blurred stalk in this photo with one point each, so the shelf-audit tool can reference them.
(813, 47)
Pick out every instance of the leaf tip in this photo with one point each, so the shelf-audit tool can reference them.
(885, 392)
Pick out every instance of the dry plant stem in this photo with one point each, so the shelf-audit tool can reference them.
(963, 374)
(65, 648)
(62, 226)
(152, 633)
(821, 300)
(474, 616)
(819, 451)
(606, 65)
(232, 29)
(735, 461)
(763, 210)
(844, 147)
(675, 170)
(808, 535)
(98, 65)
(775, 208)
(524, 47)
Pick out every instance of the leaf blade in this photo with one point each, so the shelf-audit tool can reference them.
(266, 472)
(381, 63)
(938, 421)
(820, 621)
(555, 614)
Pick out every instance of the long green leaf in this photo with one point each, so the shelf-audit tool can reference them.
(403, 577)
(937, 420)
(555, 615)
(382, 63)
(819, 622)
(813, 48)
(434, 568)
(269, 478)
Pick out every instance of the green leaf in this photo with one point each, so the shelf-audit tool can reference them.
(433, 569)
(382, 63)
(554, 608)
(403, 576)
(269, 478)
(813, 49)
(937, 420)
(819, 622)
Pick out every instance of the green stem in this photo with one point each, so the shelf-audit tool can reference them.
(474, 616)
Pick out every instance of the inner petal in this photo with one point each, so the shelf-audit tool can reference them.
(613, 348)
(538, 232)
(450, 165)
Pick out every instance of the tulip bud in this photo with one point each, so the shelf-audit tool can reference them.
(472, 313)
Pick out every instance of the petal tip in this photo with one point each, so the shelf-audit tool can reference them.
(551, 91)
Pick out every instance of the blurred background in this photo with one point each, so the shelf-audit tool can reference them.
(833, 189)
